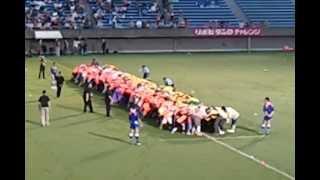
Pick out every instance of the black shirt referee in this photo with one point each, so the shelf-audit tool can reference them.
(87, 98)
(107, 100)
(60, 80)
(42, 68)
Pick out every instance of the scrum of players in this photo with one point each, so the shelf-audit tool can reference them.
(173, 110)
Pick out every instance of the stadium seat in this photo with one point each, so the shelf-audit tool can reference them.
(278, 13)
(200, 16)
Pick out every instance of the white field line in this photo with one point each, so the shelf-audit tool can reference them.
(222, 138)
(180, 139)
(241, 137)
(249, 156)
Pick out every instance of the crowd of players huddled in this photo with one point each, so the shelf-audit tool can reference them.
(172, 109)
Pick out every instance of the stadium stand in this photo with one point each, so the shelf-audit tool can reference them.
(200, 13)
(80, 14)
(276, 13)
(123, 14)
(55, 14)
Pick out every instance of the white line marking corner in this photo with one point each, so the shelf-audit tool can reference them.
(249, 156)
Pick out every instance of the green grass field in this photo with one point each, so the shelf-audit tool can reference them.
(78, 146)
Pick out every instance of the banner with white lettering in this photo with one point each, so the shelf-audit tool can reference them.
(227, 32)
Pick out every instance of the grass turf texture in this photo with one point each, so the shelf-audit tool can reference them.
(78, 146)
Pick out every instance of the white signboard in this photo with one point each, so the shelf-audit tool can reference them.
(48, 35)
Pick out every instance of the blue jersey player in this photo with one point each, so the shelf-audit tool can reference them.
(268, 111)
(134, 125)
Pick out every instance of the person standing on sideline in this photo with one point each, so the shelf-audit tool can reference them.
(268, 111)
(65, 47)
(87, 98)
(103, 46)
(108, 100)
(168, 81)
(44, 105)
(84, 47)
(134, 125)
(58, 48)
(145, 72)
(54, 71)
(42, 67)
(60, 81)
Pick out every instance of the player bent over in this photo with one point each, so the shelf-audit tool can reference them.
(198, 114)
(232, 117)
(134, 125)
(268, 110)
(218, 116)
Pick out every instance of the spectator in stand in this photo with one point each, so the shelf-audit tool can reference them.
(131, 24)
(210, 24)
(247, 24)
(114, 19)
(154, 7)
(144, 10)
(242, 24)
(182, 21)
(139, 24)
(36, 13)
(185, 21)
(171, 15)
(126, 3)
(99, 23)
(139, 7)
(147, 25)
(158, 19)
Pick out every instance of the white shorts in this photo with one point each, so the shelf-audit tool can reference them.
(166, 120)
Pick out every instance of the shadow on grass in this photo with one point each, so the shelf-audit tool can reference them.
(151, 122)
(249, 129)
(70, 108)
(252, 143)
(34, 123)
(109, 137)
(31, 102)
(66, 117)
(80, 109)
(81, 122)
(103, 154)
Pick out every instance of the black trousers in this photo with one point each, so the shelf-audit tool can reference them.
(59, 91)
(218, 123)
(86, 104)
(108, 109)
(145, 75)
(42, 72)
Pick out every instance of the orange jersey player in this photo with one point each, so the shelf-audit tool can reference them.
(146, 107)
(182, 117)
(168, 109)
